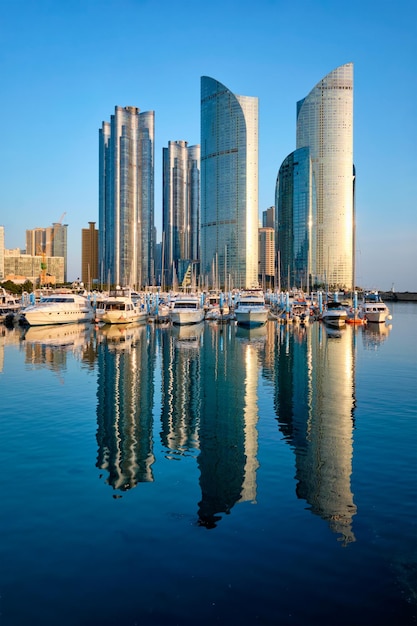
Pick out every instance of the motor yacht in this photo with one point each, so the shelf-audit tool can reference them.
(186, 309)
(251, 310)
(334, 314)
(119, 308)
(373, 309)
(58, 308)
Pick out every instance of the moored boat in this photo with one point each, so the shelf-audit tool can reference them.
(251, 310)
(186, 309)
(374, 309)
(119, 308)
(58, 308)
(334, 314)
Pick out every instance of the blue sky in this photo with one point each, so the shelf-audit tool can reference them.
(66, 65)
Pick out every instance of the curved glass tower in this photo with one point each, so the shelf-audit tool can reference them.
(315, 197)
(293, 199)
(229, 187)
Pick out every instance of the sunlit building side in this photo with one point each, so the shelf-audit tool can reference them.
(325, 129)
(89, 255)
(126, 198)
(229, 186)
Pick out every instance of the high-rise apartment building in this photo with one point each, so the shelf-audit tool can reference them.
(266, 253)
(89, 255)
(56, 242)
(268, 218)
(126, 198)
(315, 189)
(1, 252)
(49, 242)
(229, 187)
(181, 211)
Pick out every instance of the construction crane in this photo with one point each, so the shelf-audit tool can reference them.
(42, 253)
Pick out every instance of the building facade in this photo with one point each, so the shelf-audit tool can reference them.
(89, 255)
(1, 252)
(20, 267)
(266, 253)
(314, 201)
(181, 211)
(293, 225)
(49, 242)
(126, 198)
(229, 187)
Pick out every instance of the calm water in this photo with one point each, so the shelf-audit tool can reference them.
(209, 476)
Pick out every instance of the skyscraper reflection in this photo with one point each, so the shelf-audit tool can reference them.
(124, 409)
(229, 414)
(315, 406)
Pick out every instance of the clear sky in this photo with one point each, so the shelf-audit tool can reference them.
(65, 65)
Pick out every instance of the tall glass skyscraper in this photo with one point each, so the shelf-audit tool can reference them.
(315, 189)
(229, 186)
(126, 198)
(181, 210)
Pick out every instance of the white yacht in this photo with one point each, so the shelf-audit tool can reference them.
(373, 309)
(119, 308)
(334, 314)
(186, 309)
(58, 308)
(251, 310)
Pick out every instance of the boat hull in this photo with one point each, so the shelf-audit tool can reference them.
(251, 318)
(374, 315)
(334, 320)
(121, 317)
(45, 318)
(184, 317)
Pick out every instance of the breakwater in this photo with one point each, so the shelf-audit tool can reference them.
(400, 296)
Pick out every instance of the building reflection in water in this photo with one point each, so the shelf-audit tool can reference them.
(315, 407)
(229, 414)
(181, 380)
(125, 393)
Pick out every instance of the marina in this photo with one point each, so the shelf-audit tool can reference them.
(160, 474)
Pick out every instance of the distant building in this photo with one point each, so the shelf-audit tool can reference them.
(1, 252)
(89, 255)
(29, 267)
(266, 253)
(181, 210)
(315, 189)
(268, 218)
(229, 186)
(56, 243)
(126, 198)
(51, 241)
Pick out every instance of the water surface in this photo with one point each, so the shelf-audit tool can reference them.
(209, 475)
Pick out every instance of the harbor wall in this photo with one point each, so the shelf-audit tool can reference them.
(400, 296)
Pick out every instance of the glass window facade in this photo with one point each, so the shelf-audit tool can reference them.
(229, 186)
(126, 198)
(181, 208)
(294, 218)
(325, 126)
